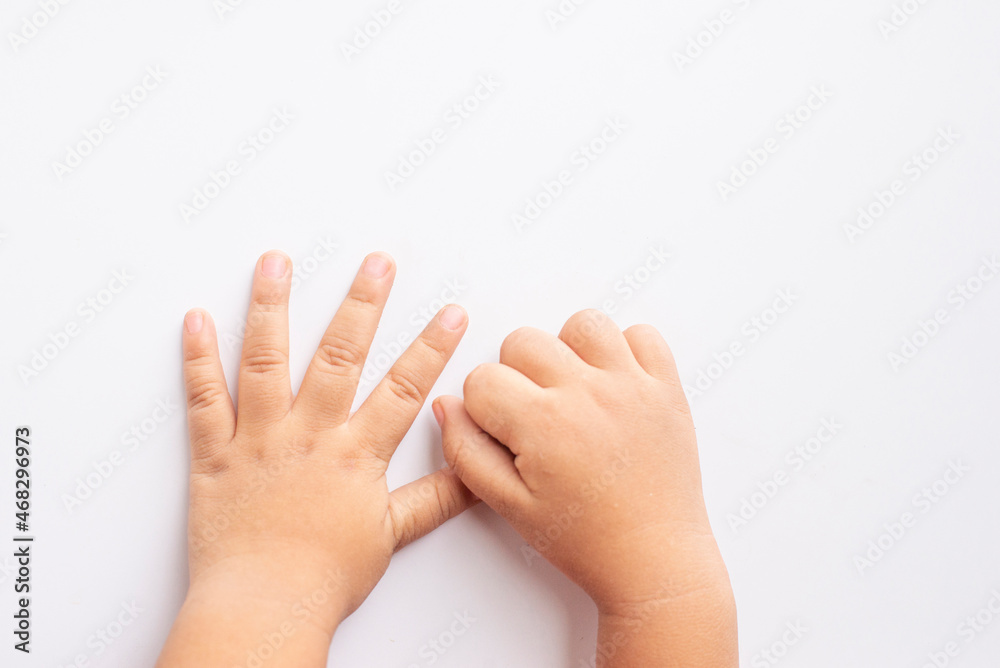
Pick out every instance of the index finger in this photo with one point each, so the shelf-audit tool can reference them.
(386, 415)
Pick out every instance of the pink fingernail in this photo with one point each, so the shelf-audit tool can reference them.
(273, 266)
(438, 413)
(453, 317)
(193, 322)
(376, 267)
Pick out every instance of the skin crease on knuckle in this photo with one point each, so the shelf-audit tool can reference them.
(341, 356)
(406, 386)
(437, 348)
(210, 465)
(264, 359)
(203, 394)
(364, 300)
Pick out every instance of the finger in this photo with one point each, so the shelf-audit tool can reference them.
(541, 357)
(484, 465)
(331, 380)
(423, 505)
(652, 352)
(494, 395)
(265, 391)
(211, 418)
(597, 340)
(386, 415)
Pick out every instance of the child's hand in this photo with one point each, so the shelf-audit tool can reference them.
(585, 444)
(291, 521)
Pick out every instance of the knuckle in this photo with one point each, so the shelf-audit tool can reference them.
(202, 394)
(363, 299)
(475, 379)
(262, 316)
(517, 337)
(264, 360)
(436, 346)
(266, 305)
(405, 386)
(641, 331)
(444, 505)
(584, 324)
(338, 353)
(493, 425)
(208, 464)
(515, 340)
(457, 453)
(402, 529)
(649, 335)
(196, 359)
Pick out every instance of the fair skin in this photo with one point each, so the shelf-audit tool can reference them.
(291, 522)
(585, 444)
(582, 442)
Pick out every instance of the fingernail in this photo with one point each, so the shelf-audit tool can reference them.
(273, 266)
(193, 322)
(438, 413)
(376, 267)
(453, 317)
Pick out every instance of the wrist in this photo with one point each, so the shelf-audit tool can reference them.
(661, 566)
(225, 622)
(678, 633)
(691, 626)
(315, 599)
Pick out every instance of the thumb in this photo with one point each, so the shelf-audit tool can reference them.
(484, 464)
(423, 505)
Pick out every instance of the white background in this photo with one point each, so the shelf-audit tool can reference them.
(856, 297)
